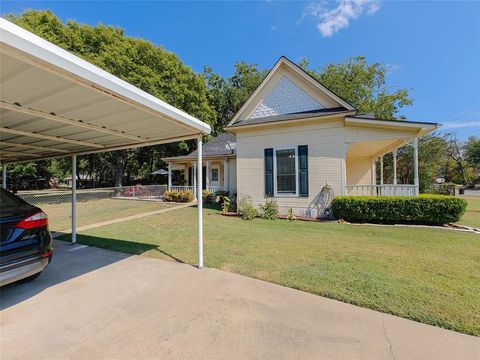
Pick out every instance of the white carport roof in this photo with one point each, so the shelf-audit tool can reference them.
(55, 104)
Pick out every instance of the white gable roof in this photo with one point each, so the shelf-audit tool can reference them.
(288, 89)
(286, 98)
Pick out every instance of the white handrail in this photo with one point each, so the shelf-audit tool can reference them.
(382, 190)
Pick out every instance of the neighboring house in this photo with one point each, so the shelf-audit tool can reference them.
(293, 136)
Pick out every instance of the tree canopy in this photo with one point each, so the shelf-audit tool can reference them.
(215, 99)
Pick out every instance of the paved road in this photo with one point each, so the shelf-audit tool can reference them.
(93, 303)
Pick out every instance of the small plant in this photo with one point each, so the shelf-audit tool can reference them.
(207, 196)
(270, 209)
(178, 196)
(224, 201)
(220, 195)
(246, 209)
(290, 214)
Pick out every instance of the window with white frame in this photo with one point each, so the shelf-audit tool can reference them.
(285, 171)
(214, 174)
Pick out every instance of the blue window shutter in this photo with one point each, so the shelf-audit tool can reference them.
(303, 170)
(269, 172)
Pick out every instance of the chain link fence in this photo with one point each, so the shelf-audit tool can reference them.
(95, 205)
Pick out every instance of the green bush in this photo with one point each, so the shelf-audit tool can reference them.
(178, 196)
(423, 209)
(207, 196)
(443, 189)
(220, 195)
(270, 209)
(246, 209)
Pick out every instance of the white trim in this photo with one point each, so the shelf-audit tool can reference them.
(49, 55)
(301, 73)
(275, 193)
(422, 128)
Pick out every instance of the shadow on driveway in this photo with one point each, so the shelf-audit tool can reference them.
(69, 261)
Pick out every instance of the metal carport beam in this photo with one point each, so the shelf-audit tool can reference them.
(48, 137)
(64, 120)
(29, 146)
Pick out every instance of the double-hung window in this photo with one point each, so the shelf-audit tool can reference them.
(285, 169)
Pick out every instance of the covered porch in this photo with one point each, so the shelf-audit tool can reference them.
(217, 174)
(363, 170)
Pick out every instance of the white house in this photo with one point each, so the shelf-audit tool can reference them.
(292, 137)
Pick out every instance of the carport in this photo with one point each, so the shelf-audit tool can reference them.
(54, 104)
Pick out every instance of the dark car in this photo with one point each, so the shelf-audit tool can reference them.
(25, 241)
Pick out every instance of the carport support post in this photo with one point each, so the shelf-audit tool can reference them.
(4, 176)
(200, 202)
(74, 199)
(169, 176)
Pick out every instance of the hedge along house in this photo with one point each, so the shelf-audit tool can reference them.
(293, 136)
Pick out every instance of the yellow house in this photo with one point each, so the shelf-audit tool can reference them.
(292, 137)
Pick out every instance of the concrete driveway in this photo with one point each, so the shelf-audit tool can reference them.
(92, 303)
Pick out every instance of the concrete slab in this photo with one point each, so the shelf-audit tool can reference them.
(92, 303)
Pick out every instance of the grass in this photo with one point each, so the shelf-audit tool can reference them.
(472, 215)
(92, 211)
(428, 275)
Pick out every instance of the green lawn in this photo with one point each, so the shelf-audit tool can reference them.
(95, 210)
(428, 275)
(472, 215)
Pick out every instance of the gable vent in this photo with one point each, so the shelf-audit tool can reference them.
(285, 98)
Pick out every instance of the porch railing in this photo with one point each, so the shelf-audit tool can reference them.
(212, 189)
(382, 190)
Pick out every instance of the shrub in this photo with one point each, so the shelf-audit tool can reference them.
(207, 196)
(178, 196)
(246, 209)
(219, 195)
(423, 209)
(270, 209)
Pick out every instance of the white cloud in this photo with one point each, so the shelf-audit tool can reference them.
(461, 124)
(274, 27)
(333, 19)
(391, 68)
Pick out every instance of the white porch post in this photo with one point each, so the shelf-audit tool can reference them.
(200, 203)
(373, 176)
(194, 180)
(74, 199)
(4, 176)
(415, 165)
(394, 153)
(225, 174)
(381, 170)
(185, 175)
(169, 176)
(207, 180)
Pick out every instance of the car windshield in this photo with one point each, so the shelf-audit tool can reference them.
(8, 200)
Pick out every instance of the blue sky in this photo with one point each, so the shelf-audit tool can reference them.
(432, 48)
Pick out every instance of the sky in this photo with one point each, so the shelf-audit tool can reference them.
(431, 48)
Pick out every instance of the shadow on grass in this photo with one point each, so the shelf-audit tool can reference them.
(129, 247)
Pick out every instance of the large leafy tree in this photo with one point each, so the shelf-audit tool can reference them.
(362, 85)
(139, 62)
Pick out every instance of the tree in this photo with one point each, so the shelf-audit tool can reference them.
(141, 63)
(362, 85)
(227, 96)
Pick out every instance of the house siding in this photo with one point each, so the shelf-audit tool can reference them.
(325, 140)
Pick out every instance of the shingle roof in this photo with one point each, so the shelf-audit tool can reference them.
(218, 146)
(293, 116)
